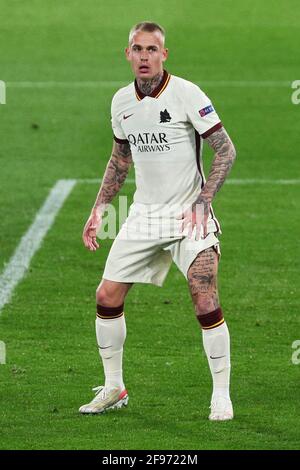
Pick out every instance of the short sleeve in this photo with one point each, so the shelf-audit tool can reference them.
(119, 135)
(200, 111)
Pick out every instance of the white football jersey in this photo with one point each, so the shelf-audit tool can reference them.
(165, 131)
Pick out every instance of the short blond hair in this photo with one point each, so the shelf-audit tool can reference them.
(149, 27)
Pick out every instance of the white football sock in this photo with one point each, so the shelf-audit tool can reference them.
(111, 334)
(216, 344)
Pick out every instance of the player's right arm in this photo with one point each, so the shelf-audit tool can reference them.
(113, 179)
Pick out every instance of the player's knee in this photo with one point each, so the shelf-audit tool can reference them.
(108, 296)
(204, 305)
(103, 296)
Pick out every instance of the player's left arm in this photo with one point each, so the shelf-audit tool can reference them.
(223, 160)
(225, 155)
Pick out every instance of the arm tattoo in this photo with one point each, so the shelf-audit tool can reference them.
(115, 174)
(221, 166)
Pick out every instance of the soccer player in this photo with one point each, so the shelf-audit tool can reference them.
(159, 123)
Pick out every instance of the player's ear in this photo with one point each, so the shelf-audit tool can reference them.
(127, 53)
(165, 54)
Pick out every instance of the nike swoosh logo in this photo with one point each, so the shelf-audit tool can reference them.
(217, 357)
(126, 117)
(104, 348)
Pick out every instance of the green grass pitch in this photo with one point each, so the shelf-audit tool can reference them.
(48, 327)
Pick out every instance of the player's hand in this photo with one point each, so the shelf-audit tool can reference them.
(90, 231)
(196, 216)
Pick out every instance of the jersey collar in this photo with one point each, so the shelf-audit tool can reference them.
(157, 91)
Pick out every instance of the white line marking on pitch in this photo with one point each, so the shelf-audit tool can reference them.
(113, 84)
(262, 181)
(31, 241)
(2, 352)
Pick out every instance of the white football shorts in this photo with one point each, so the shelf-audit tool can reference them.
(140, 259)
